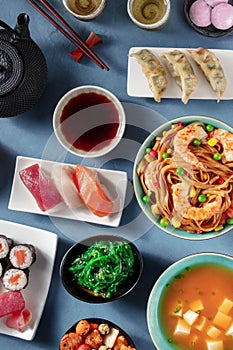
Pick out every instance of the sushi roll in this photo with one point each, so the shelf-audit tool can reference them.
(5, 245)
(22, 256)
(15, 279)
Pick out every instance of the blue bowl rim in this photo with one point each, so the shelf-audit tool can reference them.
(136, 182)
(159, 339)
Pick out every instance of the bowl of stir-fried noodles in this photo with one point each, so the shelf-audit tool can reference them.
(183, 177)
(101, 268)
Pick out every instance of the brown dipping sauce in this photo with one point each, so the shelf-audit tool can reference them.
(89, 121)
(86, 7)
(149, 11)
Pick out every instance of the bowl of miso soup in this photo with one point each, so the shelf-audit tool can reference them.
(191, 304)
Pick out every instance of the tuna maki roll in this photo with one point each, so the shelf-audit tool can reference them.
(15, 279)
(5, 245)
(22, 256)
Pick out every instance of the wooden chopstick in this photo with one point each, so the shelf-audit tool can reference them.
(76, 40)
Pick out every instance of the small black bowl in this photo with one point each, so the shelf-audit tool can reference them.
(78, 249)
(209, 31)
(99, 321)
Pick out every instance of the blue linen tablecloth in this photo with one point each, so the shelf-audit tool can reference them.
(28, 135)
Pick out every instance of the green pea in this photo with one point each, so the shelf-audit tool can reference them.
(180, 171)
(230, 221)
(209, 127)
(217, 156)
(164, 222)
(196, 142)
(202, 198)
(148, 149)
(165, 155)
(145, 199)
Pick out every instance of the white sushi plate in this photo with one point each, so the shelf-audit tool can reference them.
(137, 84)
(114, 181)
(35, 294)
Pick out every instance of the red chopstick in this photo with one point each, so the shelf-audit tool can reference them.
(76, 40)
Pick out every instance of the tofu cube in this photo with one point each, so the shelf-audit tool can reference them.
(230, 330)
(226, 306)
(201, 322)
(213, 332)
(182, 327)
(222, 320)
(196, 305)
(214, 345)
(190, 317)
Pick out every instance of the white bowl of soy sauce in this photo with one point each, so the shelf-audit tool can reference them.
(89, 121)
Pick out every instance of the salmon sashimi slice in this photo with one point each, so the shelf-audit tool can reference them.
(41, 187)
(91, 192)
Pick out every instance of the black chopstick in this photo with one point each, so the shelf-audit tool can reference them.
(76, 40)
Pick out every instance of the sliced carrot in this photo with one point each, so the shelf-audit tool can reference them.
(91, 192)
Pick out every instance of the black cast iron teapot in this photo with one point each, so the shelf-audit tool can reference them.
(23, 69)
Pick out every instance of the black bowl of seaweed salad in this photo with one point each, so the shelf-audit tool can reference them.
(101, 268)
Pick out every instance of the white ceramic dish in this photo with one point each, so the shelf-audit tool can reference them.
(137, 84)
(22, 200)
(91, 118)
(35, 294)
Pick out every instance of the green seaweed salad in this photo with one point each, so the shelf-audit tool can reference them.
(104, 268)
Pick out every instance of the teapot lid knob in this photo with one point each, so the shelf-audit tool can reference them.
(11, 68)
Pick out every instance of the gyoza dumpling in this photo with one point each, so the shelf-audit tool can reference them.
(153, 71)
(211, 67)
(182, 71)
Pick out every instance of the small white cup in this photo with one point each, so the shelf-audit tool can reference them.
(70, 6)
(153, 26)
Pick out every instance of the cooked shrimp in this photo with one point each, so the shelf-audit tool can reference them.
(180, 194)
(70, 341)
(226, 139)
(183, 207)
(182, 140)
(206, 212)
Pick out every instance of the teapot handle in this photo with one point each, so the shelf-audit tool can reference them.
(7, 27)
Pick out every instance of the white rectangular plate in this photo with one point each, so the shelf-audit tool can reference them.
(35, 294)
(137, 84)
(22, 200)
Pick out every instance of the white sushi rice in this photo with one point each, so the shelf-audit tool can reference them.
(4, 247)
(10, 274)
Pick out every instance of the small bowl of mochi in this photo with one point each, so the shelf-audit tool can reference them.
(211, 18)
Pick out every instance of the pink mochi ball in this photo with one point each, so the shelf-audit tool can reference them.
(222, 16)
(213, 3)
(200, 13)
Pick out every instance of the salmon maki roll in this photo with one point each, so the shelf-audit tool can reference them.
(15, 279)
(91, 192)
(22, 256)
(5, 245)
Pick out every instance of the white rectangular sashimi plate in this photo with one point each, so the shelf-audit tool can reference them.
(114, 181)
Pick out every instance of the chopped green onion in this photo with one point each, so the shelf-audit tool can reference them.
(146, 199)
(148, 149)
(165, 155)
(179, 171)
(230, 221)
(164, 222)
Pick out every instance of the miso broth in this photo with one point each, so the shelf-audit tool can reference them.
(197, 309)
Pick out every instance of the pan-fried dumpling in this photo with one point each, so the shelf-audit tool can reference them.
(211, 68)
(153, 71)
(182, 71)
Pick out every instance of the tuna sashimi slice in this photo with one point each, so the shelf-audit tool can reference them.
(41, 187)
(19, 319)
(91, 192)
(11, 302)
